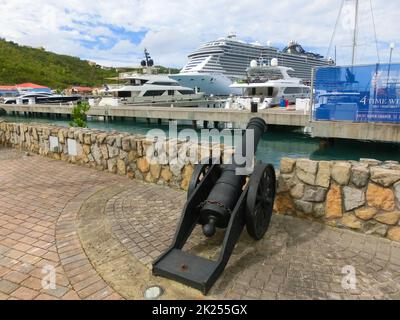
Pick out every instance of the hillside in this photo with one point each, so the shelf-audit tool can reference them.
(19, 64)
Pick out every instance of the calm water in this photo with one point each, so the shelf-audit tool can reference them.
(274, 145)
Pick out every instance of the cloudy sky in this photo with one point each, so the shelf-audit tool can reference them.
(114, 33)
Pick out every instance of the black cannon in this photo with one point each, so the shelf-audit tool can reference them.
(218, 197)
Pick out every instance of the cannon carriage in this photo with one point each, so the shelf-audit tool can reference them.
(219, 197)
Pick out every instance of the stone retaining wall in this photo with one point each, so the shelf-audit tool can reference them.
(363, 196)
(118, 153)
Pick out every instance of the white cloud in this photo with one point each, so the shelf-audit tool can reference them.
(177, 27)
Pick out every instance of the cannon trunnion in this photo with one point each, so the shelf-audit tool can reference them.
(220, 198)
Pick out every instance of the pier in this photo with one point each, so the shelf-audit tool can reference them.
(380, 132)
(218, 115)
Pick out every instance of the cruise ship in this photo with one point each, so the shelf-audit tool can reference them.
(217, 64)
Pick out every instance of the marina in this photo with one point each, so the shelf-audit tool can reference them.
(378, 132)
(226, 168)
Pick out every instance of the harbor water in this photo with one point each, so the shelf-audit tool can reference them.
(276, 143)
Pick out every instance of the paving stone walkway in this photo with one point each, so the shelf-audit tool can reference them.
(100, 233)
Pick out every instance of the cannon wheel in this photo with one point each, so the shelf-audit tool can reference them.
(260, 200)
(199, 172)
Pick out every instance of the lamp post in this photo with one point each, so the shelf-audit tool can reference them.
(392, 47)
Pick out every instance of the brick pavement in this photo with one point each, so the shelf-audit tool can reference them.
(100, 231)
(39, 200)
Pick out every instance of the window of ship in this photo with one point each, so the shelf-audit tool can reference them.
(266, 92)
(186, 91)
(171, 92)
(138, 82)
(165, 83)
(124, 94)
(153, 93)
(293, 90)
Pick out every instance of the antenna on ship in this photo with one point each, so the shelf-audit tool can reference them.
(148, 63)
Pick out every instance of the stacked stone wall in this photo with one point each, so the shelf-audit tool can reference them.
(360, 195)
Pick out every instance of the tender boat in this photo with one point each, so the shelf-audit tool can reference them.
(267, 85)
(41, 98)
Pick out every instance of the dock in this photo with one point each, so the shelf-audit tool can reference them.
(212, 115)
(380, 132)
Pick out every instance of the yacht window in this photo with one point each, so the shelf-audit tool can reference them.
(165, 83)
(293, 90)
(186, 91)
(138, 82)
(171, 92)
(124, 94)
(153, 93)
(262, 75)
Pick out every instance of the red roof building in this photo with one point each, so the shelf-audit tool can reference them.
(30, 86)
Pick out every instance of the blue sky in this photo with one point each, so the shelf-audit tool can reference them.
(114, 33)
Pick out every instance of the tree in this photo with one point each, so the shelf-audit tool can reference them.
(79, 115)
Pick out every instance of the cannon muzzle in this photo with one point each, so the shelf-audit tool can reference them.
(227, 190)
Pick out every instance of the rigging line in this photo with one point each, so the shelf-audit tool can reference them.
(334, 30)
(376, 38)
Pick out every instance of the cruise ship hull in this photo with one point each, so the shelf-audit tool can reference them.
(209, 83)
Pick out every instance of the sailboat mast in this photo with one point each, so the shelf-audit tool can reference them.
(355, 33)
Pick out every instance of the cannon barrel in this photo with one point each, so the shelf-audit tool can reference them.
(222, 199)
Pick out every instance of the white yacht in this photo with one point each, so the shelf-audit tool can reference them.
(267, 85)
(147, 88)
(217, 64)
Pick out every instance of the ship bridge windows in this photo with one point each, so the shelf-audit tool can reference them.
(153, 93)
(159, 83)
(124, 94)
(186, 92)
(266, 92)
(293, 90)
(137, 82)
